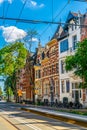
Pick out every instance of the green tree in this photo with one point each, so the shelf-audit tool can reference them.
(12, 59)
(9, 86)
(1, 91)
(28, 40)
(78, 62)
(31, 33)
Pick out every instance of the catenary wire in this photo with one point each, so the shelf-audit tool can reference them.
(18, 18)
(3, 11)
(62, 9)
(55, 16)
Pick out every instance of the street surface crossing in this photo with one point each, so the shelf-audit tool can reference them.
(23, 120)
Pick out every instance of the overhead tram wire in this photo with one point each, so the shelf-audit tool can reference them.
(62, 9)
(48, 23)
(18, 18)
(3, 12)
(7, 9)
(81, 0)
(52, 10)
(57, 14)
(3, 15)
(40, 22)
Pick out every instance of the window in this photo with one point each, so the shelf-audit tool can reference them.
(44, 70)
(39, 74)
(52, 69)
(47, 54)
(80, 94)
(45, 88)
(38, 61)
(73, 86)
(62, 86)
(74, 42)
(39, 91)
(76, 85)
(62, 67)
(72, 27)
(86, 91)
(75, 25)
(57, 68)
(52, 49)
(43, 55)
(56, 87)
(72, 94)
(67, 86)
(36, 74)
(64, 46)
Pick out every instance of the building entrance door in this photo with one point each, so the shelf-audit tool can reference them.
(76, 96)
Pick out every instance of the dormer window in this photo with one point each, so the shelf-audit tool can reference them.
(74, 41)
(72, 27)
(53, 49)
(75, 26)
(43, 55)
(48, 54)
(38, 61)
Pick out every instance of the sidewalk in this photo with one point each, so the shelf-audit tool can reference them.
(63, 116)
(5, 125)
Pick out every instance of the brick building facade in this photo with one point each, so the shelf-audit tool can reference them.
(47, 73)
(25, 79)
(47, 79)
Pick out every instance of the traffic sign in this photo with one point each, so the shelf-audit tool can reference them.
(19, 92)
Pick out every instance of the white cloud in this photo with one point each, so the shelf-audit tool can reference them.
(10, 1)
(1, 1)
(34, 39)
(41, 5)
(12, 33)
(33, 4)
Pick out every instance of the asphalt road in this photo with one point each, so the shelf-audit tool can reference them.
(22, 120)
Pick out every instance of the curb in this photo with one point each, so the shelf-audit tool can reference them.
(58, 117)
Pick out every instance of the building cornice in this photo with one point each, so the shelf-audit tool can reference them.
(52, 42)
(53, 75)
(45, 60)
(37, 67)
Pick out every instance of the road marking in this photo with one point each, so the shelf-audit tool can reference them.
(22, 121)
(29, 125)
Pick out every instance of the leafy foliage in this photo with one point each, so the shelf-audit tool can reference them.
(12, 58)
(78, 62)
(1, 91)
(28, 40)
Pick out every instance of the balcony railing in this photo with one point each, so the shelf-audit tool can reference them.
(71, 50)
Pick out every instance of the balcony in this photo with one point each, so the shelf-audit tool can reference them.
(70, 51)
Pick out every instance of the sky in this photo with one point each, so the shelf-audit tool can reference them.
(44, 10)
